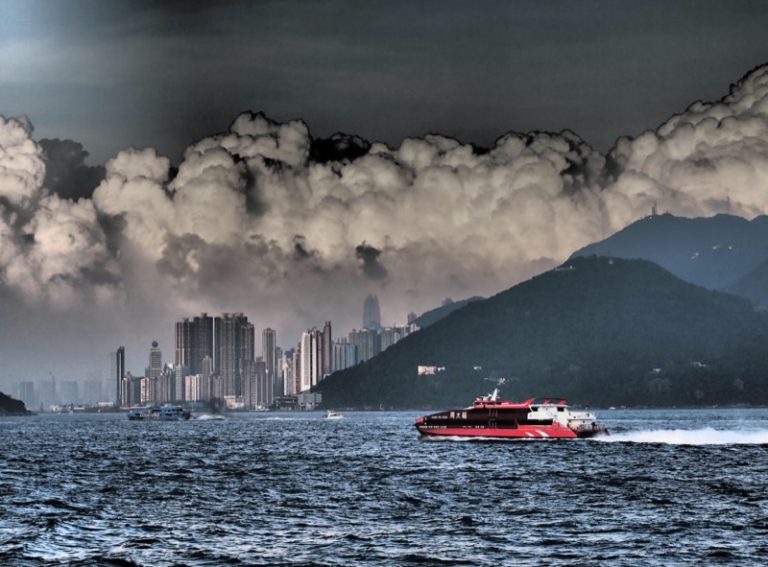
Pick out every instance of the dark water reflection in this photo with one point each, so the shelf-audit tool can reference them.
(670, 488)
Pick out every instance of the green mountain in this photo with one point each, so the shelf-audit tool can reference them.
(597, 330)
(11, 406)
(714, 252)
(753, 285)
(434, 315)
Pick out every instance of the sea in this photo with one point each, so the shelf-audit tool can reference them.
(667, 487)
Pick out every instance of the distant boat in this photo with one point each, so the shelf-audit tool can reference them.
(333, 416)
(166, 412)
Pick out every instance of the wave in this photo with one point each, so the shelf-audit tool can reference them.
(209, 417)
(706, 436)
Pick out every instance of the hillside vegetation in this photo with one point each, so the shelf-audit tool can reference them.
(597, 330)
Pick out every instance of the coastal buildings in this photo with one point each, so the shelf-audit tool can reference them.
(215, 360)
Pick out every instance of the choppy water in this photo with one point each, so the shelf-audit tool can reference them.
(667, 488)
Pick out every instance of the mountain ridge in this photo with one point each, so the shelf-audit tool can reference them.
(600, 330)
(714, 252)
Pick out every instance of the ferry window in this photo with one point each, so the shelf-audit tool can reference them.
(560, 409)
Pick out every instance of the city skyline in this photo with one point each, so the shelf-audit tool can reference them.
(215, 358)
(475, 154)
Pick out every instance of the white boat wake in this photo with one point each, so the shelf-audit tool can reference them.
(210, 417)
(706, 436)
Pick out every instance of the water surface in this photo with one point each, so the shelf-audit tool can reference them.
(668, 487)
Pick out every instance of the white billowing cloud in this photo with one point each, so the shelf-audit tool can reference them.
(248, 217)
(22, 169)
(64, 259)
(51, 249)
(133, 190)
(8, 247)
(209, 197)
(139, 164)
(712, 158)
(249, 222)
(69, 253)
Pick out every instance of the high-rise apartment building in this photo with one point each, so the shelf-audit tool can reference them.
(371, 313)
(69, 392)
(91, 393)
(235, 347)
(117, 368)
(195, 339)
(269, 356)
(344, 354)
(296, 370)
(367, 342)
(327, 351)
(27, 394)
(179, 387)
(155, 361)
(315, 351)
(305, 368)
(286, 374)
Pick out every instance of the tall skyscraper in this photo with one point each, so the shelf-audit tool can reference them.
(183, 355)
(117, 367)
(286, 373)
(296, 370)
(305, 368)
(315, 356)
(69, 392)
(155, 361)
(92, 391)
(26, 392)
(371, 313)
(327, 351)
(264, 384)
(316, 352)
(194, 341)
(367, 342)
(235, 348)
(179, 374)
(344, 354)
(269, 355)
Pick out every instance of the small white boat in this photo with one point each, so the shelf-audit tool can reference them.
(332, 415)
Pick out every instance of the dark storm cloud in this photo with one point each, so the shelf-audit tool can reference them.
(66, 173)
(339, 147)
(161, 74)
(369, 256)
(300, 251)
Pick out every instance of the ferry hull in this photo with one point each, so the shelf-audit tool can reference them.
(530, 433)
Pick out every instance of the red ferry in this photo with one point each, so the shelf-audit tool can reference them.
(489, 417)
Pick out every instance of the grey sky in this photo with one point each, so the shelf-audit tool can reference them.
(113, 74)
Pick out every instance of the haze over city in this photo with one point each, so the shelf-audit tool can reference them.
(492, 144)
